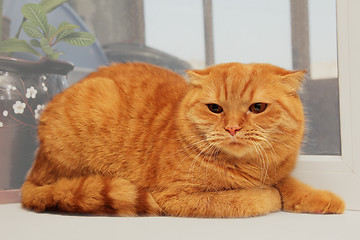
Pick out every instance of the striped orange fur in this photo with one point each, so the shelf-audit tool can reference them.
(135, 139)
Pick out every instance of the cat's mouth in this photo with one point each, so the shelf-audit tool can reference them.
(233, 143)
(235, 147)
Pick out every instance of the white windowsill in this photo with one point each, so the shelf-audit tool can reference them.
(17, 223)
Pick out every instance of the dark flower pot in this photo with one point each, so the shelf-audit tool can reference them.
(25, 88)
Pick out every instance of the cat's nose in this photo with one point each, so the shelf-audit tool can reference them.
(232, 130)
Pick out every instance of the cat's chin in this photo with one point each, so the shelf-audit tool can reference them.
(235, 148)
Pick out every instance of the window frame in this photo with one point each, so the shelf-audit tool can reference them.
(341, 174)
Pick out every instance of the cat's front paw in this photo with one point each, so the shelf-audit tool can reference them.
(319, 202)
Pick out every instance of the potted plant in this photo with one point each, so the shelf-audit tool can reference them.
(26, 86)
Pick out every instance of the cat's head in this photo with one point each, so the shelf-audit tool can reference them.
(244, 109)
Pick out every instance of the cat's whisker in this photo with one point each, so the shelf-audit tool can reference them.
(257, 151)
(205, 145)
(262, 160)
(191, 169)
(267, 142)
(192, 147)
(193, 142)
(258, 154)
(266, 162)
(277, 131)
(285, 144)
(266, 138)
(206, 160)
(273, 153)
(211, 156)
(260, 137)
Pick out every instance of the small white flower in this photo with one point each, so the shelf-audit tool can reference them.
(19, 107)
(44, 86)
(11, 87)
(37, 114)
(5, 113)
(38, 110)
(40, 107)
(31, 92)
(1, 124)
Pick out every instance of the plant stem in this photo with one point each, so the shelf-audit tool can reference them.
(51, 42)
(19, 30)
(1, 16)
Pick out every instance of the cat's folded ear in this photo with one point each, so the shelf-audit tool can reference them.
(197, 77)
(293, 79)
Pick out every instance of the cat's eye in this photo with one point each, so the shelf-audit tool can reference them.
(215, 108)
(258, 107)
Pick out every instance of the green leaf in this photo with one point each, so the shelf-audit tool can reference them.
(53, 56)
(16, 45)
(52, 32)
(79, 39)
(45, 47)
(35, 43)
(50, 5)
(64, 29)
(36, 15)
(31, 30)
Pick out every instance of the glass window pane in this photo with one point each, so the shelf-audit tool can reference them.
(321, 92)
(177, 28)
(252, 31)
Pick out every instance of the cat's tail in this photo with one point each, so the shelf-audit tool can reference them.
(94, 194)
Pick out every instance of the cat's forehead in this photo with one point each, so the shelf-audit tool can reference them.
(240, 82)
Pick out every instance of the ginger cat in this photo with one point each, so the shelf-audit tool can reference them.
(135, 139)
